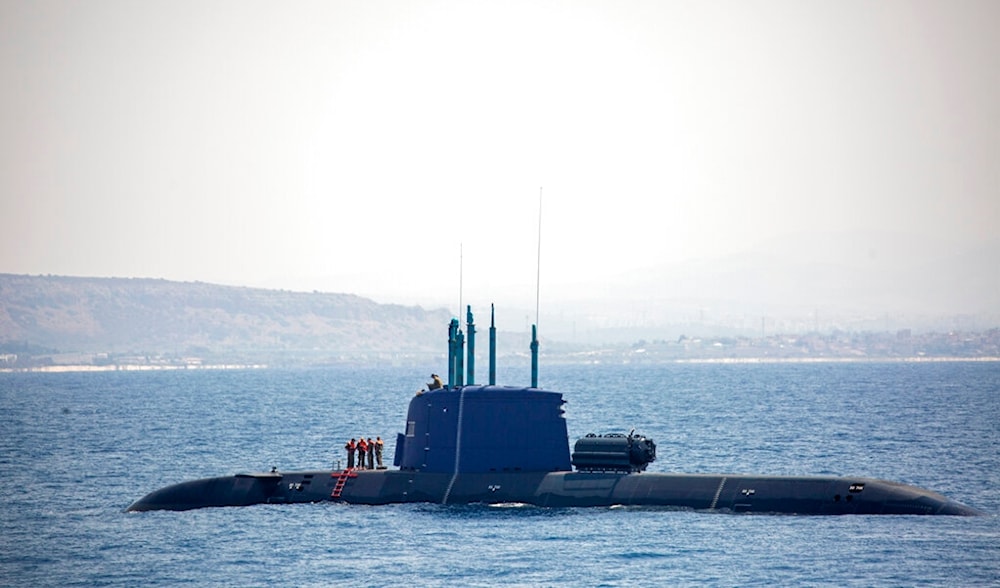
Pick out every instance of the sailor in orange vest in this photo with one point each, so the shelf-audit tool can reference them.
(350, 447)
(362, 450)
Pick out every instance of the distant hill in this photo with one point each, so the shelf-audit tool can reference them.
(119, 317)
(54, 322)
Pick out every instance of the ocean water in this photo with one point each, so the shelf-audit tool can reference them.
(77, 448)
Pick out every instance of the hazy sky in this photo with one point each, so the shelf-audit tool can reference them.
(356, 146)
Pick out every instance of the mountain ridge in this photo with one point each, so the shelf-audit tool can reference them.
(68, 314)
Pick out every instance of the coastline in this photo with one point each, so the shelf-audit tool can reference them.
(129, 368)
(678, 361)
(943, 359)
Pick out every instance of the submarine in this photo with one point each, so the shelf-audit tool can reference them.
(468, 443)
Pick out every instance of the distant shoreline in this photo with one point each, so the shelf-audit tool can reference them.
(130, 368)
(955, 359)
(690, 361)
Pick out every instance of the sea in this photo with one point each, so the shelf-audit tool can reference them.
(77, 448)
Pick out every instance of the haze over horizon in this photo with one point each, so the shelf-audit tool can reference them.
(723, 157)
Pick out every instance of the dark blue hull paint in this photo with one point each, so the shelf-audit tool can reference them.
(704, 492)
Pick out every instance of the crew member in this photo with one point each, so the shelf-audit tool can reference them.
(378, 451)
(362, 450)
(371, 454)
(350, 447)
(435, 382)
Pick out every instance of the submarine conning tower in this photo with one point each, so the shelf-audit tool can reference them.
(469, 428)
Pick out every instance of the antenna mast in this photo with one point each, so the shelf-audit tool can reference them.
(538, 289)
(460, 268)
(538, 263)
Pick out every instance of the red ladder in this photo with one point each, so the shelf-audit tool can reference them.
(342, 477)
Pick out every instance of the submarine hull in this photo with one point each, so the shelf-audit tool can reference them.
(469, 443)
(703, 492)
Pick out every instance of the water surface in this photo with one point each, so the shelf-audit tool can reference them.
(76, 449)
